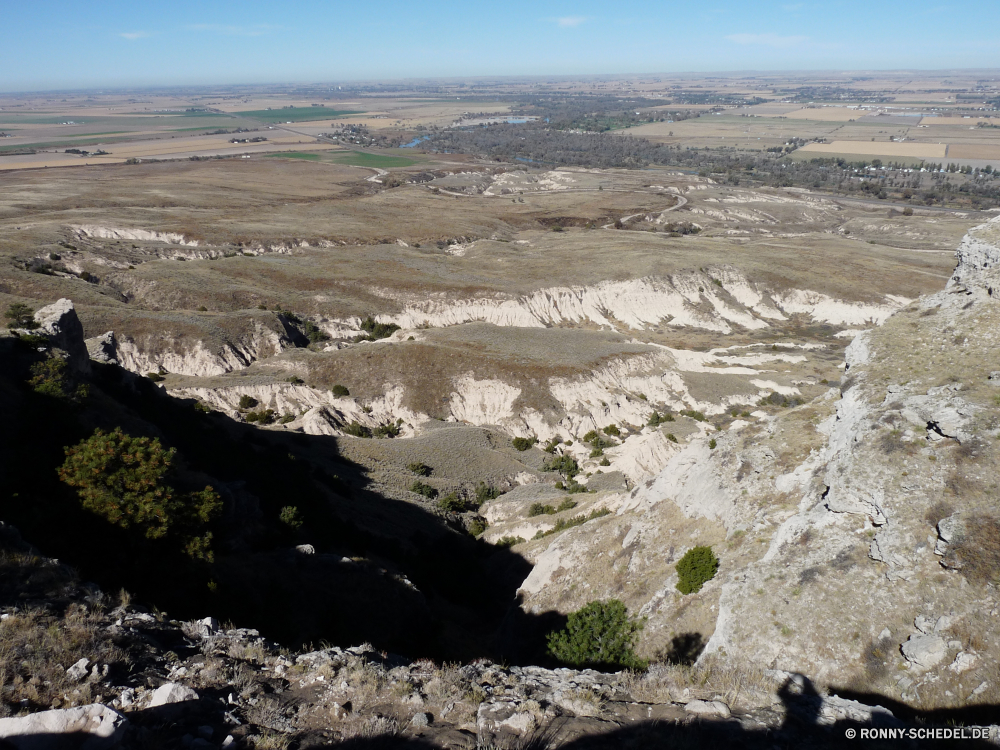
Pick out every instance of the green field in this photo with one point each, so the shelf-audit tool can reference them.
(350, 158)
(361, 159)
(295, 114)
(295, 155)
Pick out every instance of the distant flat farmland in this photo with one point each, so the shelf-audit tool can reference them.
(880, 148)
(974, 151)
(827, 114)
(296, 114)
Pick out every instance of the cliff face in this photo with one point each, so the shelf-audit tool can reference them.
(847, 527)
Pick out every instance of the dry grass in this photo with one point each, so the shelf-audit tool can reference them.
(979, 549)
(739, 683)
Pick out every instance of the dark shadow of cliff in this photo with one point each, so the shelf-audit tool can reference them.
(801, 727)
(382, 571)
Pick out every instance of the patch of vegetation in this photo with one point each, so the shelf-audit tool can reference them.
(375, 331)
(290, 517)
(537, 509)
(295, 114)
(356, 429)
(52, 377)
(20, 315)
(523, 443)
(314, 333)
(340, 391)
(455, 503)
(656, 419)
(712, 443)
(426, 490)
(421, 470)
(612, 429)
(776, 399)
(154, 376)
(389, 429)
(564, 464)
(247, 402)
(697, 416)
(486, 492)
(294, 155)
(477, 526)
(698, 566)
(978, 549)
(568, 523)
(264, 416)
(600, 635)
(378, 161)
(123, 479)
(506, 542)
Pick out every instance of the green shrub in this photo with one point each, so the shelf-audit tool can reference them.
(612, 429)
(568, 523)
(424, 489)
(656, 419)
(566, 504)
(20, 316)
(600, 635)
(314, 333)
(564, 464)
(52, 377)
(154, 376)
(597, 453)
(123, 479)
(672, 437)
(286, 418)
(485, 493)
(698, 566)
(247, 402)
(604, 462)
(389, 429)
(537, 509)
(712, 444)
(454, 503)
(296, 380)
(421, 470)
(508, 541)
(290, 517)
(340, 391)
(377, 331)
(264, 416)
(477, 526)
(522, 443)
(356, 429)
(697, 416)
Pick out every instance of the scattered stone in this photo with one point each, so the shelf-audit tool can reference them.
(172, 692)
(306, 549)
(994, 378)
(924, 624)
(708, 708)
(103, 726)
(925, 651)
(78, 671)
(963, 662)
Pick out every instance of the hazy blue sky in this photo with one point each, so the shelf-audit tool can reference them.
(48, 44)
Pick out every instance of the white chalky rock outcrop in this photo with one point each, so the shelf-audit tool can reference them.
(93, 727)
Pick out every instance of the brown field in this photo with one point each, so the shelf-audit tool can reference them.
(879, 148)
(970, 122)
(827, 114)
(974, 151)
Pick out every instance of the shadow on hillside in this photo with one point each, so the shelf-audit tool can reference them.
(382, 571)
(802, 727)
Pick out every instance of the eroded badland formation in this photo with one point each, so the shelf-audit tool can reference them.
(424, 410)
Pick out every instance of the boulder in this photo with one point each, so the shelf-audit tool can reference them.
(505, 716)
(92, 727)
(60, 323)
(172, 692)
(78, 671)
(708, 708)
(925, 651)
(103, 348)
